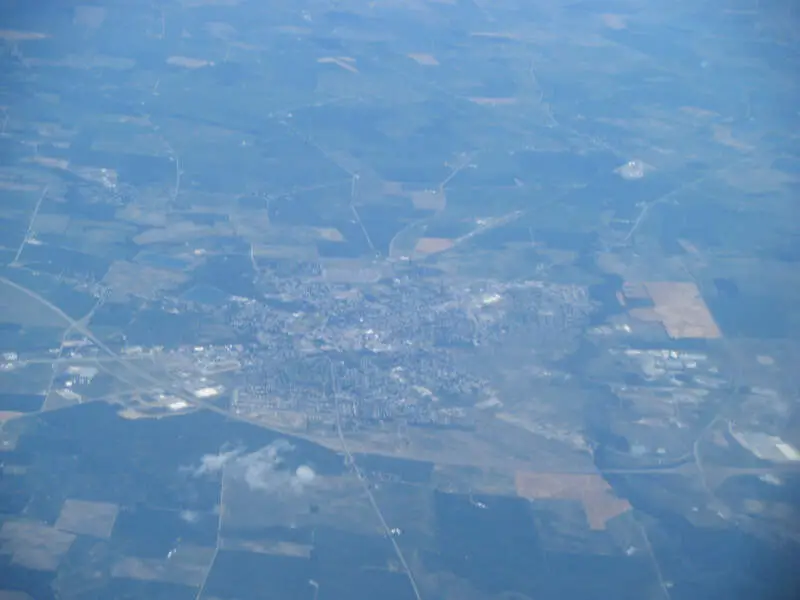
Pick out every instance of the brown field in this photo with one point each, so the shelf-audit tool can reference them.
(7, 415)
(46, 161)
(89, 16)
(698, 112)
(134, 279)
(688, 246)
(131, 414)
(592, 491)
(136, 120)
(724, 136)
(294, 30)
(347, 270)
(427, 60)
(433, 245)
(33, 545)
(277, 548)
(484, 101)
(19, 36)
(187, 566)
(345, 62)
(501, 35)
(14, 595)
(101, 175)
(83, 517)
(188, 63)
(429, 199)
(681, 309)
(422, 199)
(614, 21)
(393, 188)
(17, 307)
(634, 290)
(13, 186)
(329, 234)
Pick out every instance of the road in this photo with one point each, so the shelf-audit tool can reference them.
(80, 327)
(688, 468)
(365, 483)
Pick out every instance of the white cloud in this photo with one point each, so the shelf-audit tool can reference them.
(190, 516)
(263, 470)
(213, 463)
(305, 474)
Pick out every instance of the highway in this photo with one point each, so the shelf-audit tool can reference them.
(365, 483)
(688, 468)
(80, 327)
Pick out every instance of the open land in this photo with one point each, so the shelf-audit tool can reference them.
(536, 279)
